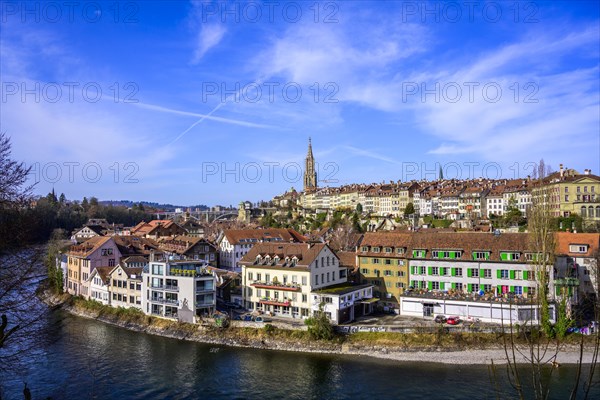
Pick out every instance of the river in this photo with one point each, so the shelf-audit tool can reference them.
(89, 359)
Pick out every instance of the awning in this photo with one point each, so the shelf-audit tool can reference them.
(369, 301)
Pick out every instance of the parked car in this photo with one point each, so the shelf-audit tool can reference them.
(439, 319)
(453, 320)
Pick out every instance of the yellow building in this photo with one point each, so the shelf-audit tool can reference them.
(382, 262)
(569, 192)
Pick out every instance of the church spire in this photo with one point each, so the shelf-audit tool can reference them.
(310, 175)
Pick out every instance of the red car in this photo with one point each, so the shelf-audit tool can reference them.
(453, 320)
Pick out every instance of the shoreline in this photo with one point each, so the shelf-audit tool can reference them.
(569, 354)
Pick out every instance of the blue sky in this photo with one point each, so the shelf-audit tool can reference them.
(214, 102)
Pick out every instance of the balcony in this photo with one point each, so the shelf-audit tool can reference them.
(566, 282)
(205, 290)
(289, 287)
(162, 300)
(171, 288)
(274, 302)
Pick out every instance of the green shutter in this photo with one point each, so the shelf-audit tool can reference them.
(487, 256)
(469, 272)
(525, 275)
(499, 290)
(503, 256)
(499, 274)
(430, 285)
(453, 285)
(443, 271)
(469, 287)
(512, 274)
(442, 285)
(453, 271)
(429, 270)
(511, 289)
(557, 290)
(525, 289)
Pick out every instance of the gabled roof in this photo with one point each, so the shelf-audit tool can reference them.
(239, 236)
(86, 248)
(103, 273)
(565, 239)
(305, 253)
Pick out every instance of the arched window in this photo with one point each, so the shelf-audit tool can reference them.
(598, 212)
(591, 212)
(583, 212)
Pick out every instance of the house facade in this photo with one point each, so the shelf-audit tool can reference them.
(82, 259)
(344, 303)
(182, 290)
(126, 287)
(278, 278)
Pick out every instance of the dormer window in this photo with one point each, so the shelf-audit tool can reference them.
(365, 248)
(276, 260)
(578, 248)
(258, 258)
(375, 249)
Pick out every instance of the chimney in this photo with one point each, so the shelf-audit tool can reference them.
(587, 171)
(561, 170)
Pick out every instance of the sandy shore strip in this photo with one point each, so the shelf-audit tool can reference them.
(476, 356)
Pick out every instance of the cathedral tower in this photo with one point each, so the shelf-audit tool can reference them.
(310, 175)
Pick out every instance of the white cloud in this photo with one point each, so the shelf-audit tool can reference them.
(209, 36)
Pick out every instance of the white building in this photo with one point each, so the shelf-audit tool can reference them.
(182, 290)
(344, 303)
(99, 283)
(279, 278)
(235, 243)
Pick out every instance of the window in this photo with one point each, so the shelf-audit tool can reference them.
(304, 280)
(388, 261)
(422, 270)
(400, 285)
(473, 272)
(518, 290)
(364, 271)
(375, 260)
(375, 250)
(400, 250)
(400, 273)
(365, 248)
(487, 288)
(387, 272)
(434, 271)
(316, 279)
(487, 273)
(317, 263)
(481, 255)
(157, 269)
(435, 285)
(509, 256)
(304, 298)
(328, 277)
(388, 249)
(419, 253)
(458, 271)
(566, 189)
(503, 274)
(578, 248)
(249, 276)
(268, 277)
(566, 197)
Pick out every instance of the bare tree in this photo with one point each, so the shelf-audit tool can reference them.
(21, 269)
(343, 237)
(540, 349)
